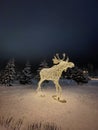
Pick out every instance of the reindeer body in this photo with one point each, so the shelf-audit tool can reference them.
(54, 73)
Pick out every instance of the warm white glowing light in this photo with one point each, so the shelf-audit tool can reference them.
(54, 73)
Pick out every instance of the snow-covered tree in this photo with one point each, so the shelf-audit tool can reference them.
(26, 75)
(77, 75)
(8, 74)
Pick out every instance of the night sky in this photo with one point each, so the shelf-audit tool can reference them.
(37, 29)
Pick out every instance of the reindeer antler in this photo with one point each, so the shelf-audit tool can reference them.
(63, 56)
(56, 59)
(57, 55)
(67, 59)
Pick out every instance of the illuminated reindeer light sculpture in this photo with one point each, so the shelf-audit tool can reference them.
(54, 73)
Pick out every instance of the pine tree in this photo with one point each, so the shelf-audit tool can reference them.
(26, 75)
(77, 75)
(8, 75)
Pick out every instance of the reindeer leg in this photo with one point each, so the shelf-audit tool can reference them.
(60, 91)
(57, 90)
(60, 94)
(39, 85)
(58, 97)
(38, 90)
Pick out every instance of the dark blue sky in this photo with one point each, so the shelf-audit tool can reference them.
(37, 29)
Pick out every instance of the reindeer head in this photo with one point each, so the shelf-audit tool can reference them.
(62, 62)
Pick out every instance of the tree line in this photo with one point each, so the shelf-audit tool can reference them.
(9, 74)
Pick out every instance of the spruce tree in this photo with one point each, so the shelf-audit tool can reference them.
(77, 75)
(26, 75)
(8, 75)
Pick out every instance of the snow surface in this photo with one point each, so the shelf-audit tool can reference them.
(80, 112)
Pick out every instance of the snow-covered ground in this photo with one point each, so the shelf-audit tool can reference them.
(80, 112)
